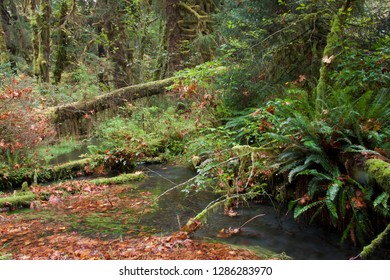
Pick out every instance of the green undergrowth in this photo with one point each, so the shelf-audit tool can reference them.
(63, 147)
(154, 128)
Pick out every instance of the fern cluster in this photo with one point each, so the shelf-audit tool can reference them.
(323, 146)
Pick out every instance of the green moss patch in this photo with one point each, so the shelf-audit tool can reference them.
(380, 171)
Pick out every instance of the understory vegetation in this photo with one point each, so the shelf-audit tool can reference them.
(283, 101)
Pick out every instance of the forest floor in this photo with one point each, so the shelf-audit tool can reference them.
(99, 222)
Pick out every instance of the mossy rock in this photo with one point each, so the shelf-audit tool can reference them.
(380, 171)
(121, 179)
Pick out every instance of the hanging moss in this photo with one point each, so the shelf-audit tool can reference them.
(380, 171)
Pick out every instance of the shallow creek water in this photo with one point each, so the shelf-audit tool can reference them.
(274, 231)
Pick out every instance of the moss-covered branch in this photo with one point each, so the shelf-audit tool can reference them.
(369, 249)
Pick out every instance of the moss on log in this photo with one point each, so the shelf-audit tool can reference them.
(77, 110)
(17, 200)
(121, 179)
(71, 166)
(380, 171)
(5, 257)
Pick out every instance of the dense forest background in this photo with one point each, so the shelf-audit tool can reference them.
(286, 100)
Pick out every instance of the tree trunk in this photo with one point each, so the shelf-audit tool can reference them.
(40, 25)
(188, 22)
(44, 40)
(332, 49)
(3, 47)
(160, 71)
(174, 37)
(112, 29)
(4, 21)
(61, 54)
(35, 36)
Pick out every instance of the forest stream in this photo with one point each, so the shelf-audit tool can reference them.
(274, 231)
(128, 211)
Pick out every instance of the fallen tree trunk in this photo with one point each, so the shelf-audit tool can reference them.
(68, 117)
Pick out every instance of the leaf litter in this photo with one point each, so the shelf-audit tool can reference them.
(78, 220)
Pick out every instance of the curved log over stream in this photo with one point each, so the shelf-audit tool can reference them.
(69, 117)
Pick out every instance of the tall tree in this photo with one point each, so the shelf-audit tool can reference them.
(114, 18)
(40, 23)
(62, 42)
(333, 46)
(3, 47)
(189, 33)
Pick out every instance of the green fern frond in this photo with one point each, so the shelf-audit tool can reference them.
(299, 209)
(332, 210)
(333, 190)
(296, 170)
(312, 146)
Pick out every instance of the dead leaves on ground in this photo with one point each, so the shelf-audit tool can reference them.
(53, 238)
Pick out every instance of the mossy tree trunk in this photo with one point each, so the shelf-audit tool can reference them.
(161, 61)
(62, 43)
(334, 46)
(40, 24)
(188, 23)
(44, 41)
(34, 36)
(8, 16)
(174, 37)
(3, 47)
(115, 19)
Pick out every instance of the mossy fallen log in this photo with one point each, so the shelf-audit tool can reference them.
(59, 171)
(22, 199)
(380, 171)
(76, 111)
(5, 257)
(121, 179)
(69, 170)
